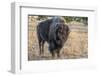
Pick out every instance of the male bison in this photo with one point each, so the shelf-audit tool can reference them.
(55, 32)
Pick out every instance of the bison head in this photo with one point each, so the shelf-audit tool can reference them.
(59, 37)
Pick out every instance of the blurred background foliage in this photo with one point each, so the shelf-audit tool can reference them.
(68, 19)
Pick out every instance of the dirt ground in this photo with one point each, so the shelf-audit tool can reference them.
(75, 47)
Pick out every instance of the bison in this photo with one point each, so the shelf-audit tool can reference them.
(53, 31)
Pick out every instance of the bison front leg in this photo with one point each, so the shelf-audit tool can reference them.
(53, 54)
(58, 53)
(51, 49)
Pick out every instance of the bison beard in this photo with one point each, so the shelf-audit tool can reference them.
(55, 32)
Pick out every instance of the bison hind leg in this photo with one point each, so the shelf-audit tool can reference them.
(42, 46)
(40, 50)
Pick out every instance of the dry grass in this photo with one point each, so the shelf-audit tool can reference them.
(75, 47)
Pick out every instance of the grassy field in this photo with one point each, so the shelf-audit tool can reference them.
(75, 47)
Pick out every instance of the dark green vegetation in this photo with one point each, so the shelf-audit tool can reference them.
(68, 19)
